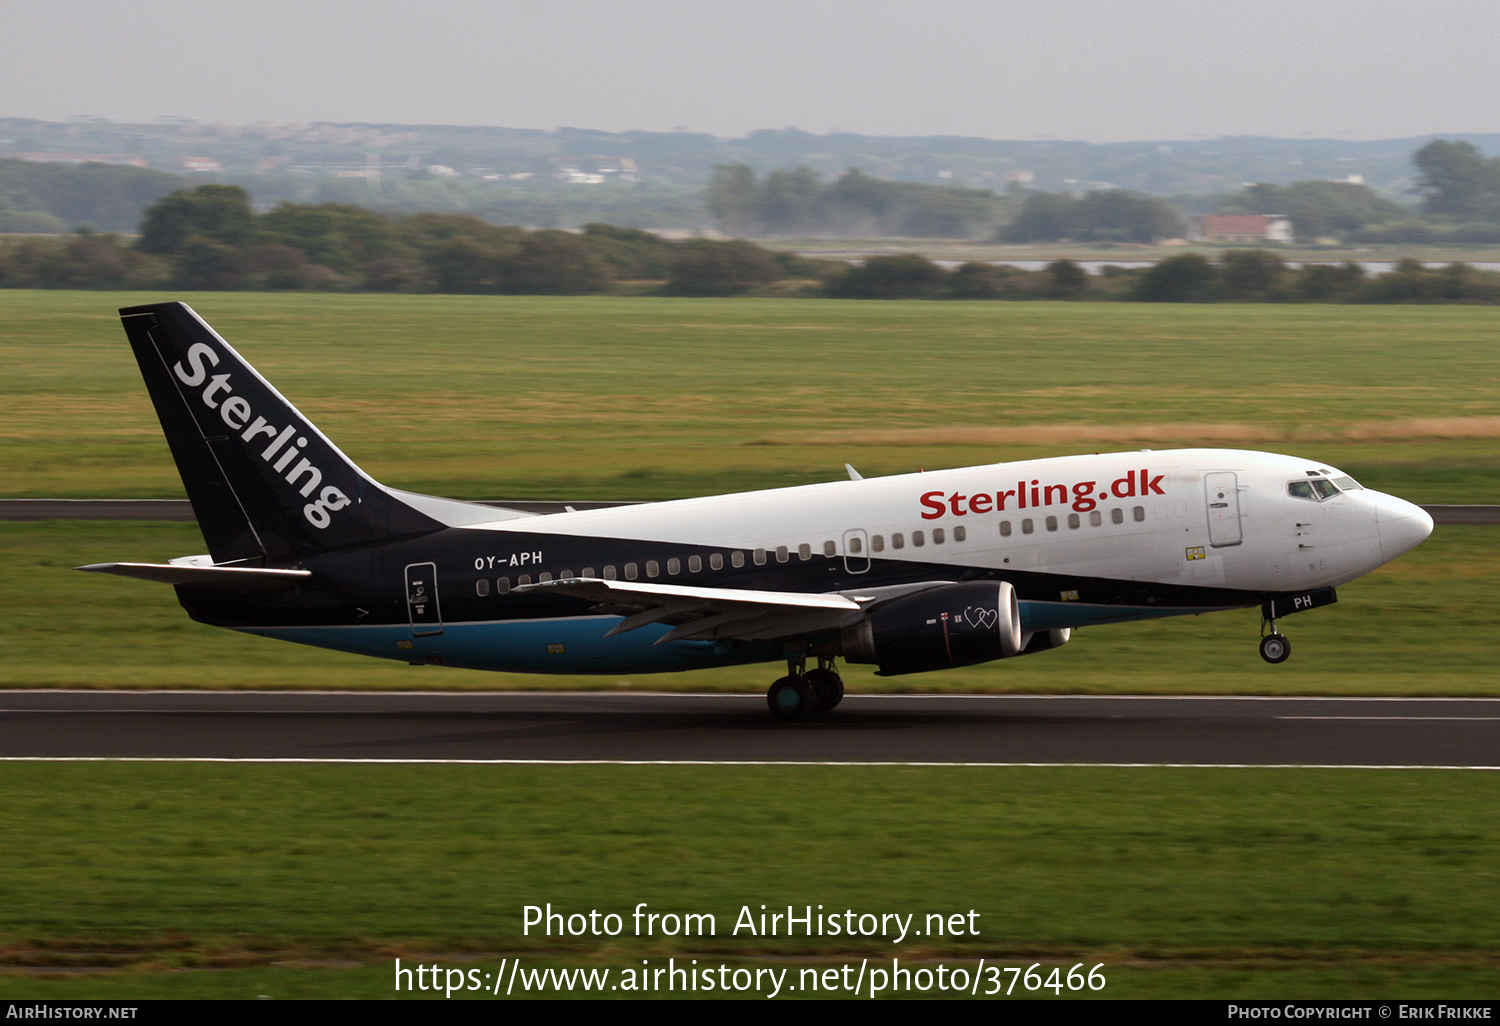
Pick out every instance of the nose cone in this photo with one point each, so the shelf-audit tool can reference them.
(1402, 526)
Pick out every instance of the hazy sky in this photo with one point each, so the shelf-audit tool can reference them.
(1098, 70)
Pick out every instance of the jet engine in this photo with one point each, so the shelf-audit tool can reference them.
(954, 625)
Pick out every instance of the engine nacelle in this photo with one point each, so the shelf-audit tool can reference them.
(955, 625)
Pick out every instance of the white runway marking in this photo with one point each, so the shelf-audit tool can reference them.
(1459, 718)
(738, 762)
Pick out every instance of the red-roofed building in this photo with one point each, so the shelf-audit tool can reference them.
(1239, 228)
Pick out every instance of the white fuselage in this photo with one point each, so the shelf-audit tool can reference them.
(1216, 518)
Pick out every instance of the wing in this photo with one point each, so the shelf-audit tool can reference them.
(707, 614)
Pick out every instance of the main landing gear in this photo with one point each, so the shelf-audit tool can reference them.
(1274, 647)
(803, 693)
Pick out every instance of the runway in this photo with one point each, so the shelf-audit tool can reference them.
(637, 727)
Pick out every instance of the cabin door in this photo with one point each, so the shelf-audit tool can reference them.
(422, 599)
(1221, 491)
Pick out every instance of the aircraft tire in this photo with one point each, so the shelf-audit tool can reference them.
(790, 698)
(1275, 648)
(827, 689)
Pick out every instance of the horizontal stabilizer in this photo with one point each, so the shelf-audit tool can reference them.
(215, 578)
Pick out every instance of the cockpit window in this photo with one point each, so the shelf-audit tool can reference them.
(1348, 484)
(1317, 489)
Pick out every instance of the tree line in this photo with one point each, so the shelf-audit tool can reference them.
(1240, 276)
(798, 202)
(211, 238)
(1459, 189)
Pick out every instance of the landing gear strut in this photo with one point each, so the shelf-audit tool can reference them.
(804, 693)
(1274, 647)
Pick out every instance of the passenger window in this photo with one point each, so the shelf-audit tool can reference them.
(674, 567)
(804, 551)
(830, 549)
(1096, 518)
(695, 564)
(781, 553)
(938, 536)
(482, 587)
(737, 559)
(630, 572)
(609, 573)
(716, 561)
(502, 586)
(877, 543)
(653, 568)
(1139, 513)
(898, 541)
(855, 548)
(760, 557)
(544, 577)
(959, 533)
(918, 539)
(523, 579)
(565, 575)
(588, 571)
(1117, 515)
(1027, 527)
(1051, 523)
(1005, 528)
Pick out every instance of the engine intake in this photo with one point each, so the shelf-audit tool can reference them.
(955, 625)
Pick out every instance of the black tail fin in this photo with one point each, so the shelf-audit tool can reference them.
(264, 483)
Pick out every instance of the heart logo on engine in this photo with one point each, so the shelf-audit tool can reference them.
(982, 617)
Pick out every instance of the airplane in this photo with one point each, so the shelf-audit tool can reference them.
(911, 573)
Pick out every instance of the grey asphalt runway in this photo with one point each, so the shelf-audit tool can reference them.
(593, 726)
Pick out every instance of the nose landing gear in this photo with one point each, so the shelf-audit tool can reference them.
(802, 693)
(1274, 647)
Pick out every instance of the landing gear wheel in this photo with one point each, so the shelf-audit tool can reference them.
(827, 689)
(790, 698)
(1274, 648)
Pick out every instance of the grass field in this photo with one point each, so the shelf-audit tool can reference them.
(647, 398)
(1236, 883)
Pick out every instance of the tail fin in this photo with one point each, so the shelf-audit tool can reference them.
(264, 483)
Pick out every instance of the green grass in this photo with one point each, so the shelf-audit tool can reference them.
(1421, 625)
(1175, 879)
(653, 398)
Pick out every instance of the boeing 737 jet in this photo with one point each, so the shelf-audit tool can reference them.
(912, 573)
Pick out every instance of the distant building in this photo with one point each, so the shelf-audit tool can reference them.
(201, 164)
(1239, 228)
(127, 159)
